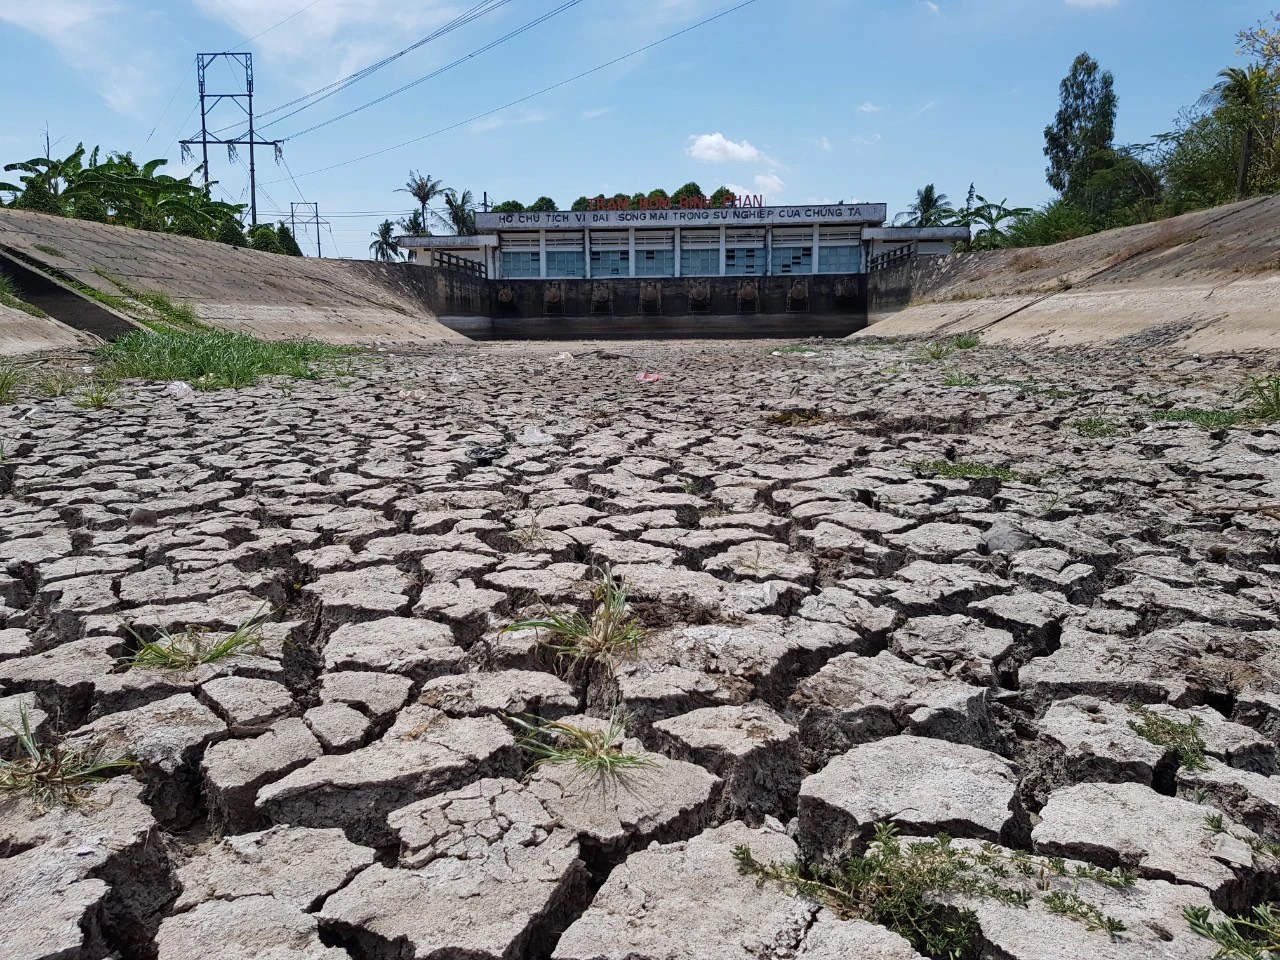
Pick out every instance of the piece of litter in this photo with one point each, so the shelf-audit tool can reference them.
(564, 356)
(649, 377)
(532, 436)
(179, 389)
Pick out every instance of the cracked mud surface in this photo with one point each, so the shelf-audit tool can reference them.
(836, 636)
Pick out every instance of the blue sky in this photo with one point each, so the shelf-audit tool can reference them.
(801, 100)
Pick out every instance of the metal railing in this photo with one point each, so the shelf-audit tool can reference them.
(451, 261)
(895, 256)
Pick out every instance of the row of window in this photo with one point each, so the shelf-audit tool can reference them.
(695, 262)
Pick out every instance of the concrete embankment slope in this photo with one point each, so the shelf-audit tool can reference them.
(263, 294)
(1204, 282)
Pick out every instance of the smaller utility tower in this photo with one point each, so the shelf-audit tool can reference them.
(314, 209)
(208, 101)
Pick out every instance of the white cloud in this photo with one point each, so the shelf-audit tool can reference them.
(594, 112)
(823, 144)
(868, 141)
(770, 184)
(933, 7)
(84, 35)
(869, 107)
(717, 148)
(507, 119)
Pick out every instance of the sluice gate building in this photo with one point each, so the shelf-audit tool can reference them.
(750, 271)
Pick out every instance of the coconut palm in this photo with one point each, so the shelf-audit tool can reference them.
(990, 218)
(423, 189)
(929, 210)
(459, 213)
(1247, 90)
(414, 224)
(384, 246)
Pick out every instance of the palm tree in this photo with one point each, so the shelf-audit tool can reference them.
(384, 246)
(1248, 89)
(423, 189)
(929, 210)
(990, 216)
(414, 224)
(459, 213)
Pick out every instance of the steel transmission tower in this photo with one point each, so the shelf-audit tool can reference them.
(208, 101)
(314, 209)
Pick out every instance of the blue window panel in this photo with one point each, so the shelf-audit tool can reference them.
(610, 263)
(841, 259)
(658, 263)
(566, 263)
(788, 260)
(744, 262)
(700, 262)
(518, 264)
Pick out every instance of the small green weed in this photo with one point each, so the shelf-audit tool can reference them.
(1096, 427)
(958, 378)
(532, 533)
(1255, 937)
(938, 351)
(9, 297)
(56, 384)
(51, 775)
(899, 886)
(1164, 731)
(192, 647)
(608, 634)
(50, 250)
(797, 348)
(1209, 419)
(961, 470)
(11, 378)
(966, 341)
(1263, 393)
(97, 394)
(595, 753)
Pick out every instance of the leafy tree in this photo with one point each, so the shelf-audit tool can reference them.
(511, 206)
(230, 232)
(657, 194)
(1055, 222)
(929, 209)
(1084, 127)
(721, 197)
(966, 216)
(688, 191)
(423, 189)
(384, 246)
(543, 205)
(459, 213)
(1262, 42)
(263, 237)
(581, 205)
(414, 224)
(990, 219)
(1248, 92)
(288, 243)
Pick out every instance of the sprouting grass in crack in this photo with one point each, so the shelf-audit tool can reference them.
(594, 753)
(59, 383)
(1253, 937)
(937, 351)
(193, 647)
(532, 533)
(902, 886)
(1263, 394)
(97, 394)
(1209, 419)
(962, 470)
(1183, 738)
(958, 378)
(11, 378)
(609, 634)
(966, 341)
(1096, 428)
(54, 774)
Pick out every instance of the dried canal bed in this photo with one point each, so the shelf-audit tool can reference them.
(1019, 598)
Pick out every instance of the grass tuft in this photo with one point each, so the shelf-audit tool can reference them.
(958, 378)
(1209, 419)
(11, 378)
(1183, 738)
(1264, 396)
(1095, 427)
(213, 360)
(49, 249)
(594, 753)
(56, 384)
(961, 470)
(901, 886)
(51, 775)
(966, 341)
(938, 351)
(97, 394)
(609, 634)
(192, 647)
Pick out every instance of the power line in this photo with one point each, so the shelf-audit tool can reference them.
(435, 73)
(282, 22)
(527, 97)
(323, 93)
(176, 91)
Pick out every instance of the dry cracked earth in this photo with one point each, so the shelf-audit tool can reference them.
(837, 634)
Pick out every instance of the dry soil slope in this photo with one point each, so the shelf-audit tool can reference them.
(1203, 282)
(263, 294)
